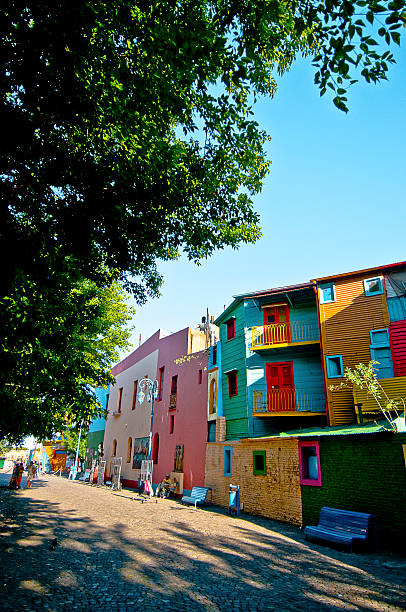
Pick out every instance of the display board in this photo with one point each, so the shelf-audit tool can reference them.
(115, 465)
(100, 473)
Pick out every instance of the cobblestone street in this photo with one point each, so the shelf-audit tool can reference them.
(116, 553)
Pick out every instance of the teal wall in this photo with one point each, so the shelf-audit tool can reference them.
(251, 368)
(364, 473)
(306, 313)
(233, 357)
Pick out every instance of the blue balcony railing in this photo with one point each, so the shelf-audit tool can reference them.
(287, 400)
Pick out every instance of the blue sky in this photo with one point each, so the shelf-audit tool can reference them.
(333, 202)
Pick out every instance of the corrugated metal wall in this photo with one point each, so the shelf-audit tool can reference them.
(393, 387)
(345, 327)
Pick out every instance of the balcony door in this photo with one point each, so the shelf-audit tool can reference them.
(280, 386)
(276, 324)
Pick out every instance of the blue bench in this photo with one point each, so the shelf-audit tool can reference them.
(343, 527)
(198, 496)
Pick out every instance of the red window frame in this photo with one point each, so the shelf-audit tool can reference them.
(119, 400)
(171, 423)
(160, 382)
(174, 385)
(304, 479)
(135, 390)
(230, 329)
(232, 383)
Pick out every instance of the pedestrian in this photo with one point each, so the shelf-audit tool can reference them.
(31, 471)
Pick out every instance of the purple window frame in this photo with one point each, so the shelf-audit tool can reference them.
(303, 479)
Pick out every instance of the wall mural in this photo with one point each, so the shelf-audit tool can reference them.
(141, 451)
(178, 467)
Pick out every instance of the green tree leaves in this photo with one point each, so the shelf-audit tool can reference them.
(128, 137)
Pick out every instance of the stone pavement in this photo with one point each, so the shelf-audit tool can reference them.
(116, 553)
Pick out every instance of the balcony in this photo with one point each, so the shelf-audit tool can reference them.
(277, 335)
(172, 401)
(288, 402)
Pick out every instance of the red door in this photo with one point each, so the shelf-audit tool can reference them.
(276, 325)
(280, 386)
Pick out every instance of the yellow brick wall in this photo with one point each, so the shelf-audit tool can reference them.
(276, 495)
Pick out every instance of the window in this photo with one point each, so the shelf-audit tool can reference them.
(373, 286)
(174, 385)
(135, 389)
(120, 397)
(200, 377)
(114, 449)
(228, 461)
(212, 397)
(327, 293)
(160, 382)
(129, 449)
(309, 464)
(381, 352)
(379, 337)
(171, 423)
(232, 383)
(155, 448)
(215, 354)
(335, 367)
(259, 463)
(230, 328)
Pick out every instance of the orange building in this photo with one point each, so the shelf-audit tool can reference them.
(362, 318)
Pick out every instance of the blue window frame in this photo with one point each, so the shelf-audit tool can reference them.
(228, 461)
(373, 286)
(327, 293)
(379, 337)
(335, 368)
(381, 352)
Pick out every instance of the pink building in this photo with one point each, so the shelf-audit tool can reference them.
(179, 362)
(180, 413)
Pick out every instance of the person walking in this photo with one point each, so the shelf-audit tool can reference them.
(31, 471)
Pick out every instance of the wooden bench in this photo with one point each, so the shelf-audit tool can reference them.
(343, 527)
(198, 496)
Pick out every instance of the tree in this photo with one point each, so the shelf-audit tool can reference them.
(128, 136)
(5, 446)
(60, 340)
(365, 377)
(128, 125)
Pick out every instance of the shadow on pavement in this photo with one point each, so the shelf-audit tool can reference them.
(52, 558)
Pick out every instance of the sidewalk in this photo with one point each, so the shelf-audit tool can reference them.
(115, 553)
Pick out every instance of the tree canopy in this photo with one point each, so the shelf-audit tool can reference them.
(60, 338)
(128, 136)
(128, 126)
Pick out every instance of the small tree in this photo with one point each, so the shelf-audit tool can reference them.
(364, 377)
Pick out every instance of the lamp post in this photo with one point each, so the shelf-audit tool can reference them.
(151, 392)
(75, 469)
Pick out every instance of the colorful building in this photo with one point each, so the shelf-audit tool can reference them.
(270, 366)
(179, 431)
(362, 318)
(291, 441)
(179, 427)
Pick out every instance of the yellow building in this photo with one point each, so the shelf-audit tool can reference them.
(362, 317)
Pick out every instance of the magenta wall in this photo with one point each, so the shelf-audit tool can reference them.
(190, 423)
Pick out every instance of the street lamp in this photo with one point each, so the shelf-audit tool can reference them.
(151, 391)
